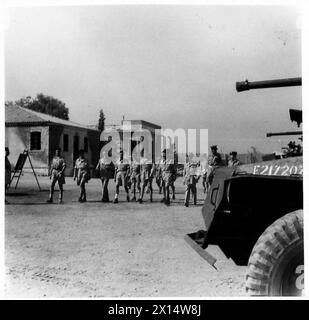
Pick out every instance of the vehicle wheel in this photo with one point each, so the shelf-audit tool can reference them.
(276, 264)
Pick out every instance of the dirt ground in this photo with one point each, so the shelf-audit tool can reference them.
(99, 249)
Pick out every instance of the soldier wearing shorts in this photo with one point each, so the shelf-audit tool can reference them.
(57, 168)
(82, 175)
(135, 178)
(147, 173)
(106, 170)
(121, 178)
(191, 177)
(168, 172)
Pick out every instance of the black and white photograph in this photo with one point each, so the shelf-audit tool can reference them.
(153, 151)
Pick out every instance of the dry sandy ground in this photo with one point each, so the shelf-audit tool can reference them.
(108, 250)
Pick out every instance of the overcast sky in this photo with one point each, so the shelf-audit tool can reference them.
(175, 66)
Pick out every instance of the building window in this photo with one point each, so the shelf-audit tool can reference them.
(35, 140)
(86, 144)
(65, 142)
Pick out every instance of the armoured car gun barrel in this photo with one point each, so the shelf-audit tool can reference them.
(289, 82)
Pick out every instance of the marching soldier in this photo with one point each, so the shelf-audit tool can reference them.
(122, 171)
(214, 160)
(57, 168)
(135, 178)
(173, 183)
(147, 173)
(191, 176)
(168, 172)
(82, 174)
(158, 176)
(106, 169)
(233, 161)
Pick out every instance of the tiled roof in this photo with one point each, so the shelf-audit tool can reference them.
(19, 116)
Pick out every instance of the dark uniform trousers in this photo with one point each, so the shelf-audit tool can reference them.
(105, 196)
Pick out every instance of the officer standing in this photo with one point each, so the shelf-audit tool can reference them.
(122, 171)
(191, 176)
(57, 168)
(233, 161)
(82, 174)
(204, 169)
(106, 169)
(214, 160)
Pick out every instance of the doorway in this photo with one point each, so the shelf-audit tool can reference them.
(75, 147)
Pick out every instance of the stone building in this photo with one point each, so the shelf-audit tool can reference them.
(134, 126)
(41, 134)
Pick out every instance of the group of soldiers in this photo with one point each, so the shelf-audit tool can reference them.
(136, 176)
(194, 169)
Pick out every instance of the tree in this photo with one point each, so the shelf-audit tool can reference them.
(101, 123)
(44, 104)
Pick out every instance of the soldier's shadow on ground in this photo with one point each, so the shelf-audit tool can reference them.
(29, 203)
(177, 202)
(18, 194)
(13, 193)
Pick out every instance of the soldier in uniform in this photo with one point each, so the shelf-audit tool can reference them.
(57, 168)
(121, 178)
(106, 169)
(7, 171)
(147, 173)
(191, 176)
(158, 176)
(135, 178)
(81, 174)
(233, 161)
(204, 168)
(173, 183)
(214, 160)
(168, 172)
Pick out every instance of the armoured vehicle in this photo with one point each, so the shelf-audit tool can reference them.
(254, 213)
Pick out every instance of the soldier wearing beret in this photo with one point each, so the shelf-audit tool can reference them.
(204, 169)
(191, 176)
(81, 174)
(106, 170)
(135, 177)
(233, 161)
(122, 176)
(214, 161)
(56, 174)
(168, 172)
(147, 173)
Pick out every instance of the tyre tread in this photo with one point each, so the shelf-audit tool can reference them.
(268, 248)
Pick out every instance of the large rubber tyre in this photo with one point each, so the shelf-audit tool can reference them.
(276, 264)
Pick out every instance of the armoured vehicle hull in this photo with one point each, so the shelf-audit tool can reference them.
(254, 213)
